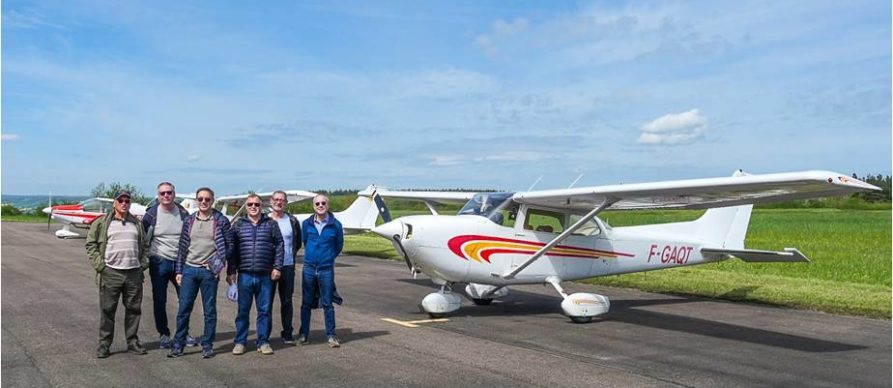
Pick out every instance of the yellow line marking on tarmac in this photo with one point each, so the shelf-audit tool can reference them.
(414, 323)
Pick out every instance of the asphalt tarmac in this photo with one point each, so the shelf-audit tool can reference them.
(50, 327)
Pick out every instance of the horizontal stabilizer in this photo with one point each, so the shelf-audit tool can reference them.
(790, 255)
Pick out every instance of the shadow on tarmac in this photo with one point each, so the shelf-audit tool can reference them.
(631, 312)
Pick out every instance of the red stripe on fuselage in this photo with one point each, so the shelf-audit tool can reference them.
(455, 245)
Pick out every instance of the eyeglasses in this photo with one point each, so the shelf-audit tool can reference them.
(323, 203)
(123, 200)
(203, 199)
(253, 204)
(166, 193)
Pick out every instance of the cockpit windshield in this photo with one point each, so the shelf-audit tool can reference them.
(498, 207)
(96, 205)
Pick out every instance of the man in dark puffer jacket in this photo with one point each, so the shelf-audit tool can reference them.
(257, 256)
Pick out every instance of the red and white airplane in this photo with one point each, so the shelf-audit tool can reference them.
(81, 215)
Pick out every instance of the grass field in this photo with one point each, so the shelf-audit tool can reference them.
(25, 218)
(850, 272)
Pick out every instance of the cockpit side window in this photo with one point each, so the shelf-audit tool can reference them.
(544, 221)
(96, 206)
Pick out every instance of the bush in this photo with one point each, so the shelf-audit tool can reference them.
(10, 210)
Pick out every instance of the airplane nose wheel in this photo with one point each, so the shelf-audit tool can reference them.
(581, 319)
(439, 304)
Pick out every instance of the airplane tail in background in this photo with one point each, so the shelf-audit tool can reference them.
(725, 226)
(362, 214)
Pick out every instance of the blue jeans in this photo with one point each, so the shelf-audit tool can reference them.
(260, 287)
(311, 279)
(195, 279)
(286, 287)
(161, 271)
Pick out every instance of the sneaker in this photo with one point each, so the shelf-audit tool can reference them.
(175, 352)
(302, 339)
(208, 352)
(190, 341)
(333, 342)
(102, 351)
(265, 349)
(164, 341)
(135, 348)
(239, 349)
(289, 340)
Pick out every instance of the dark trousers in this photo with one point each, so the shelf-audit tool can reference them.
(161, 271)
(126, 285)
(311, 279)
(195, 279)
(286, 287)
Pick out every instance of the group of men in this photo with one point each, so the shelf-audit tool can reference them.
(190, 251)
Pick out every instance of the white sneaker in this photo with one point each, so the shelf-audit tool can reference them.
(265, 349)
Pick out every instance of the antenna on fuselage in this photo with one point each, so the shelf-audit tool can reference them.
(534, 183)
(576, 180)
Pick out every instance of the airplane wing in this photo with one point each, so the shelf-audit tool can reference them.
(699, 193)
(233, 205)
(445, 197)
(291, 196)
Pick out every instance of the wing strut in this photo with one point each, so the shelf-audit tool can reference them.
(558, 239)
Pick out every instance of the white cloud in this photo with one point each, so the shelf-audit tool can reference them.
(439, 160)
(500, 30)
(674, 128)
(447, 83)
(11, 137)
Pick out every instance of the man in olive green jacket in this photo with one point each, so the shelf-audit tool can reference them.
(119, 252)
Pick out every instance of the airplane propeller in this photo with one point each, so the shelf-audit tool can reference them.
(50, 214)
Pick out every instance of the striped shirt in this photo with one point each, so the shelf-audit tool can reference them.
(122, 250)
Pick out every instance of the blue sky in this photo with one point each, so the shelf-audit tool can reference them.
(309, 95)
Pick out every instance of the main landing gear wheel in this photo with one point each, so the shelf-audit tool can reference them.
(482, 302)
(581, 319)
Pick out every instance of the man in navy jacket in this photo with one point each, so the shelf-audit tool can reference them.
(323, 239)
(257, 256)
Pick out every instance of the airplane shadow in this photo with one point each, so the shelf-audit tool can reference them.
(632, 312)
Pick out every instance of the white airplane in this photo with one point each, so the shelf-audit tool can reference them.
(81, 215)
(359, 217)
(551, 236)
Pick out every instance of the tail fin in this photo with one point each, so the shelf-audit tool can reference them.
(726, 226)
(361, 215)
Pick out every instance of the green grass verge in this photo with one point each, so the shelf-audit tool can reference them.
(24, 218)
(850, 272)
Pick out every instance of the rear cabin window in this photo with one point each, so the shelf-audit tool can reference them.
(590, 228)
